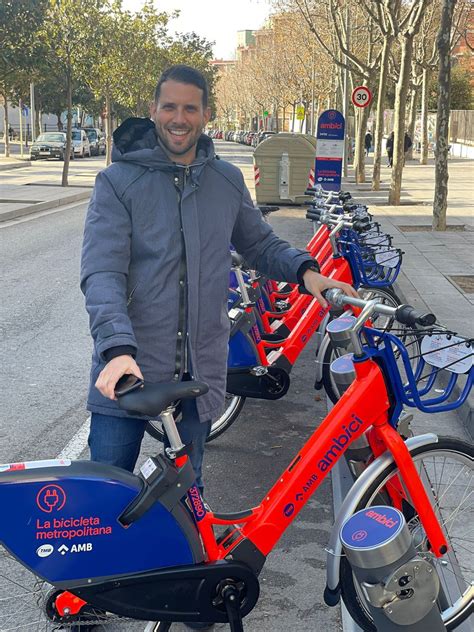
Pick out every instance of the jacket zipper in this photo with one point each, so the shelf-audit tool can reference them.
(181, 362)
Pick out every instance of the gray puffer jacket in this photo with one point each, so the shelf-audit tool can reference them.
(156, 261)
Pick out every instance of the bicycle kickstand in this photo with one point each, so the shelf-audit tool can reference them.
(231, 597)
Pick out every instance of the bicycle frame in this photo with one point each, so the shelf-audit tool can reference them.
(365, 405)
(305, 325)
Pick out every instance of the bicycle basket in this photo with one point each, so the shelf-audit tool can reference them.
(374, 265)
(445, 360)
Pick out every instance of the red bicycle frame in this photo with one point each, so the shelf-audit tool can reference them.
(304, 325)
(363, 406)
(321, 250)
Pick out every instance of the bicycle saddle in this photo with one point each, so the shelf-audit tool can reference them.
(152, 399)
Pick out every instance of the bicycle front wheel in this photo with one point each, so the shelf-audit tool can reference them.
(386, 296)
(233, 407)
(446, 470)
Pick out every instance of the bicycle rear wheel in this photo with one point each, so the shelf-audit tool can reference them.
(27, 605)
(233, 407)
(446, 469)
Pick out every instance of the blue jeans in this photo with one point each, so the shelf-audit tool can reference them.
(117, 440)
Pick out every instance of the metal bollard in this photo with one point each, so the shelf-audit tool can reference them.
(399, 587)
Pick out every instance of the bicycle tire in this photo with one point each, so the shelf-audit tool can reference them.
(27, 605)
(462, 454)
(219, 426)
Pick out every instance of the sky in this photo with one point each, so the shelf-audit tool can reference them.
(216, 20)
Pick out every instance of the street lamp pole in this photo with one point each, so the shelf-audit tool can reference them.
(346, 95)
(33, 113)
(20, 104)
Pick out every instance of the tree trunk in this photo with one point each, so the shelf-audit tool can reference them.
(293, 115)
(442, 118)
(381, 94)
(38, 121)
(399, 121)
(412, 112)
(108, 129)
(6, 125)
(424, 116)
(60, 123)
(64, 181)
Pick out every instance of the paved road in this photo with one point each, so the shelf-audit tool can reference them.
(47, 348)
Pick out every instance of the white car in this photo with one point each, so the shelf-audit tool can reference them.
(80, 143)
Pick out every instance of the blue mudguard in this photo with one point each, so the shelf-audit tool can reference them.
(242, 351)
(61, 521)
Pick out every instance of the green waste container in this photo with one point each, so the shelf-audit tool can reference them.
(283, 166)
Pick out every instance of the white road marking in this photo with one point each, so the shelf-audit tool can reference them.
(77, 444)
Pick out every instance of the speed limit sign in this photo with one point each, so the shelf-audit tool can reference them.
(361, 96)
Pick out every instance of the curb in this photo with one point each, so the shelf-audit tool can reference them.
(466, 411)
(15, 165)
(44, 206)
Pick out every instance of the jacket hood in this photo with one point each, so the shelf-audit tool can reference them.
(136, 141)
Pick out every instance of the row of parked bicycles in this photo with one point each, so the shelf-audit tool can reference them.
(155, 552)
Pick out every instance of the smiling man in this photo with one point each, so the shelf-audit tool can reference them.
(179, 113)
(156, 262)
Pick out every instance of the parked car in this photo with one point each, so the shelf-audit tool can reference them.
(50, 145)
(81, 144)
(264, 135)
(96, 140)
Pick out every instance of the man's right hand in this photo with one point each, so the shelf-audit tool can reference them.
(113, 371)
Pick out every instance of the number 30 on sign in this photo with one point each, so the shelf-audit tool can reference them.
(361, 96)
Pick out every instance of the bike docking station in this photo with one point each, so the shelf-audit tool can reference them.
(400, 588)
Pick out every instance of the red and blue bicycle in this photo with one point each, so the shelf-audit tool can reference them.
(152, 551)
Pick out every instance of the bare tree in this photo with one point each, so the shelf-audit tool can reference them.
(443, 44)
(281, 71)
(410, 27)
(226, 97)
(386, 16)
(362, 58)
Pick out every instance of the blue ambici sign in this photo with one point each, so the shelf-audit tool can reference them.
(329, 150)
(372, 527)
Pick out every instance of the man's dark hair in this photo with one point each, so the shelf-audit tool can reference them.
(184, 74)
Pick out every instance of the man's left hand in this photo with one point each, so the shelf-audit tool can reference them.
(316, 283)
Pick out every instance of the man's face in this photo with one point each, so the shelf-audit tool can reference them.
(179, 116)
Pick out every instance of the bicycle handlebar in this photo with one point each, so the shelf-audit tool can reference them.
(358, 224)
(407, 315)
(404, 314)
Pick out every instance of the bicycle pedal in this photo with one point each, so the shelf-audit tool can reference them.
(231, 597)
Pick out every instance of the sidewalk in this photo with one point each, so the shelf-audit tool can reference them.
(27, 188)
